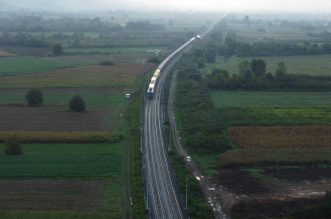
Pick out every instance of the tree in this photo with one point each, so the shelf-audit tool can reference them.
(258, 67)
(243, 66)
(281, 70)
(198, 53)
(210, 55)
(34, 97)
(57, 50)
(13, 145)
(77, 104)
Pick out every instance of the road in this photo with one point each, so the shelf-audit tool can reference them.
(206, 185)
(161, 196)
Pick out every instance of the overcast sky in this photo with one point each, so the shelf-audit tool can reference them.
(199, 5)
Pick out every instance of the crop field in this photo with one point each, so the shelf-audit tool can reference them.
(319, 65)
(44, 182)
(92, 100)
(119, 75)
(281, 33)
(282, 137)
(51, 195)
(17, 118)
(270, 99)
(64, 160)
(23, 65)
(116, 50)
(96, 59)
(285, 156)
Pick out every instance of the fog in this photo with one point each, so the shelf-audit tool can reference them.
(195, 5)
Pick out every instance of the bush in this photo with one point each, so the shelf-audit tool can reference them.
(57, 50)
(13, 145)
(154, 60)
(34, 97)
(77, 104)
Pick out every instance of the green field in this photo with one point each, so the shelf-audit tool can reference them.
(308, 65)
(22, 65)
(270, 99)
(239, 108)
(250, 32)
(93, 100)
(63, 160)
(116, 50)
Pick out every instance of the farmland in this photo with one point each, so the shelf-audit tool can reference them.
(64, 160)
(21, 65)
(281, 137)
(317, 65)
(73, 164)
(119, 75)
(271, 99)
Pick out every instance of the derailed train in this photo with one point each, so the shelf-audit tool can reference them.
(153, 83)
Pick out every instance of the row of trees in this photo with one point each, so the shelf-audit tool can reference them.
(271, 48)
(201, 130)
(34, 97)
(22, 39)
(72, 24)
(254, 76)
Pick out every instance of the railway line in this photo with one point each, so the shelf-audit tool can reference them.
(162, 199)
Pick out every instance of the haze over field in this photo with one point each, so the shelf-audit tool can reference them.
(209, 5)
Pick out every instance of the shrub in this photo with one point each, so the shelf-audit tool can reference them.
(34, 97)
(13, 145)
(77, 104)
(57, 50)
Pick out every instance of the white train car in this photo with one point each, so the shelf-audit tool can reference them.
(159, 70)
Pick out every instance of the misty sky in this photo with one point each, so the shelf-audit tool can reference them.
(210, 5)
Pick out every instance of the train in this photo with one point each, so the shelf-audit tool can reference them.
(154, 80)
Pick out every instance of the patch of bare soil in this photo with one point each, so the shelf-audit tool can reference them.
(269, 208)
(51, 195)
(21, 118)
(245, 195)
(240, 182)
(5, 54)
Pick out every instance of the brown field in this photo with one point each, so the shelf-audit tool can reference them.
(282, 137)
(120, 58)
(5, 54)
(20, 118)
(118, 75)
(62, 137)
(276, 156)
(51, 195)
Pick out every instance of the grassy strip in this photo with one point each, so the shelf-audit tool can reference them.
(63, 137)
(134, 121)
(289, 156)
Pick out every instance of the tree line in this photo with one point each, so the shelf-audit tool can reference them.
(254, 76)
(201, 129)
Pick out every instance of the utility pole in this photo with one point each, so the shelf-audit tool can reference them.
(186, 193)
